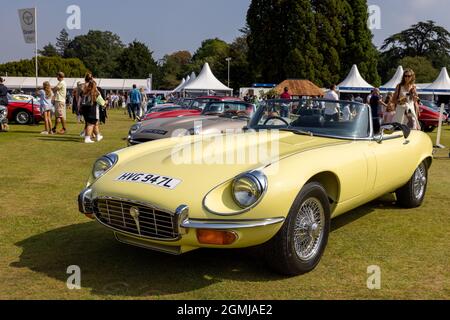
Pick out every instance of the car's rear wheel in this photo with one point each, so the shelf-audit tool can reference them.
(426, 128)
(413, 193)
(22, 117)
(299, 245)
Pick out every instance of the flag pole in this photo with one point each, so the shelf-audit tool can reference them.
(36, 44)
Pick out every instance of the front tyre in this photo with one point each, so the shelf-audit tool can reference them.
(299, 245)
(413, 193)
(22, 117)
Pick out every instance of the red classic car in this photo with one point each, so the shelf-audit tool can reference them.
(429, 116)
(21, 107)
(195, 108)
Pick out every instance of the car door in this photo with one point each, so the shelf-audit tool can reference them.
(394, 160)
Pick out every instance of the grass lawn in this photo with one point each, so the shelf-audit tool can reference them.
(42, 233)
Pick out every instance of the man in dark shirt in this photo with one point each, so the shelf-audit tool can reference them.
(3, 93)
(375, 104)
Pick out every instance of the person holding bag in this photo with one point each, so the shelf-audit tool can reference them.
(90, 109)
(406, 101)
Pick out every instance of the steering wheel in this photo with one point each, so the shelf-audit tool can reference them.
(276, 118)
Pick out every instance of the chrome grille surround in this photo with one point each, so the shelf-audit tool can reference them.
(137, 218)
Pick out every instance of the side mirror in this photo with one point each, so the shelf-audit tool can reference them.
(390, 128)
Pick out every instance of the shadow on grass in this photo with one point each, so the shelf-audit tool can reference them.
(113, 269)
(110, 268)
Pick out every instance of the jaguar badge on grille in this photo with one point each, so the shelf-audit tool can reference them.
(134, 212)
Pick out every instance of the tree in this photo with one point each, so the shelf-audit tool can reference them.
(358, 40)
(282, 40)
(48, 67)
(136, 62)
(62, 42)
(49, 50)
(424, 39)
(99, 51)
(423, 68)
(173, 68)
(240, 69)
(331, 19)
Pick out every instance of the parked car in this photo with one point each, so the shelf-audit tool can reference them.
(429, 116)
(195, 108)
(215, 118)
(21, 108)
(283, 201)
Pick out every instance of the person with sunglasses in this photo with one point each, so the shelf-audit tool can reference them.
(406, 101)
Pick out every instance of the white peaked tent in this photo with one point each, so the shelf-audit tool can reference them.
(206, 82)
(354, 83)
(179, 86)
(441, 86)
(395, 81)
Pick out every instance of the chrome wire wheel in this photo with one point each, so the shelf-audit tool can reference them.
(419, 182)
(309, 229)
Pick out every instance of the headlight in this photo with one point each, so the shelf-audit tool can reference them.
(248, 188)
(135, 128)
(104, 164)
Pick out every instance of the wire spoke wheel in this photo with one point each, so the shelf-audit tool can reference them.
(308, 230)
(419, 182)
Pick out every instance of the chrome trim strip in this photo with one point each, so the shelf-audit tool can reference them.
(230, 224)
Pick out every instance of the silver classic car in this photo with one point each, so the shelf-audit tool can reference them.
(217, 117)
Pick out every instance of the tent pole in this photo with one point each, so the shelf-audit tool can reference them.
(439, 133)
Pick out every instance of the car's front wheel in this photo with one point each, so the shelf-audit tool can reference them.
(413, 193)
(299, 245)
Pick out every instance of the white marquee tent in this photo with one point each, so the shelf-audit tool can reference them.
(180, 85)
(395, 81)
(206, 82)
(441, 86)
(27, 83)
(354, 83)
(180, 88)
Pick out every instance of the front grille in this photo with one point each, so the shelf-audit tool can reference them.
(150, 223)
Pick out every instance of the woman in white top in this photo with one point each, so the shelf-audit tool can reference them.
(45, 99)
(405, 99)
(143, 103)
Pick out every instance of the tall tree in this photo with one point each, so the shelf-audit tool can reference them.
(359, 47)
(173, 68)
(49, 50)
(424, 39)
(136, 62)
(99, 51)
(282, 40)
(62, 42)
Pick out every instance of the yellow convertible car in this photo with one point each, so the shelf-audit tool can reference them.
(277, 185)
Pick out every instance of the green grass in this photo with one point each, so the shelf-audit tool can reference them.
(42, 233)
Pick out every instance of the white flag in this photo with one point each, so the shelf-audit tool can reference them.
(27, 20)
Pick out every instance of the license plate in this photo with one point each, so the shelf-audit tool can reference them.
(151, 179)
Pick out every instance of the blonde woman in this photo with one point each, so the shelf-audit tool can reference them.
(143, 103)
(405, 99)
(45, 96)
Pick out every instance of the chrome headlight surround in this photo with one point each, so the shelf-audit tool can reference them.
(135, 128)
(104, 164)
(249, 188)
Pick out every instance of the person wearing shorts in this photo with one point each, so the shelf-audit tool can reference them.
(60, 103)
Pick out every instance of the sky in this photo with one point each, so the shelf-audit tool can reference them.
(167, 26)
